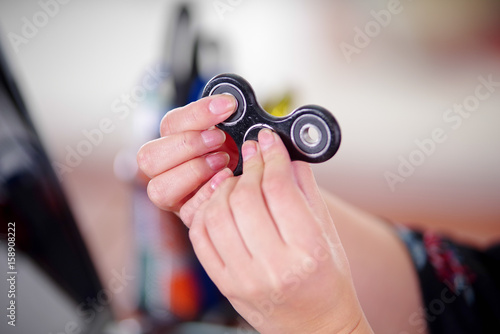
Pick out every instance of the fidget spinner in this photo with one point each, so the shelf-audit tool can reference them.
(310, 133)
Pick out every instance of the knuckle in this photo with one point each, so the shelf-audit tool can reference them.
(278, 287)
(144, 160)
(192, 117)
(158, 197)
(152, 192)
(185, 143)
(186, 215)
(196, 170)
(188, 210)
(165, 125)
(273, 286)
(228, 291)
(251, 290)
(196, 234)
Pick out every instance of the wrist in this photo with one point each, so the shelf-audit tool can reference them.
(358, 324)
(362, 327)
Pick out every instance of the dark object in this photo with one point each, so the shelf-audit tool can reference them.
(460, 284)
(182, 50)
(32, 198)
(310, 133)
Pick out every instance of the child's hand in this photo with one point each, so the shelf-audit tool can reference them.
(187, 154)
(267, 241)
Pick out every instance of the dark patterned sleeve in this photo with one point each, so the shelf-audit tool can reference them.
(460, 285)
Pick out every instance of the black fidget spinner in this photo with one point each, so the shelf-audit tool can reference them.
(310, 133)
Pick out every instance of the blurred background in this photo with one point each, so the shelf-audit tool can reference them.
(96, 78)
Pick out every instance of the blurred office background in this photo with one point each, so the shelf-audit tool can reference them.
(79, 64)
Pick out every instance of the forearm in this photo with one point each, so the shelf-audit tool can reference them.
(382, 270)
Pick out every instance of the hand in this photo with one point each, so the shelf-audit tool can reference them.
(189, 152)
(267, 241)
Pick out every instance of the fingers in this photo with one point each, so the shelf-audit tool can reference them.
(165, 153)
(167, 190)
(221, 228)
(273, 202)
(198, 115)
(245, 201)
(249, 208)
(192, 206)
(204, 248)
(180, 161)
(305, 180)
(285, 201)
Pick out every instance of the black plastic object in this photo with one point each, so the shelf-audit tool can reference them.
(310, 133)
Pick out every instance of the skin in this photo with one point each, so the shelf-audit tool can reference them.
(289, 258)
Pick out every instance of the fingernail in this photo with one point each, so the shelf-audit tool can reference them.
(220, 177)
(266, 139)
(213, 138)
(248, 149)
(222, 104)
(217, 161)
